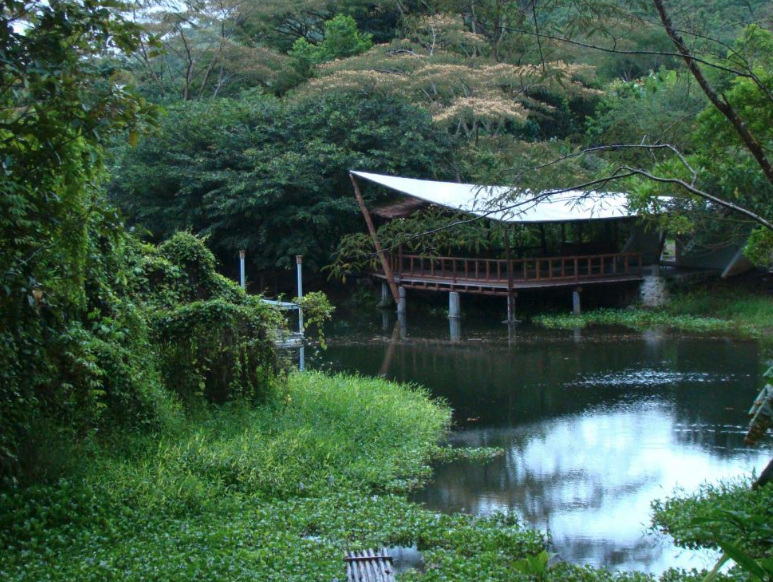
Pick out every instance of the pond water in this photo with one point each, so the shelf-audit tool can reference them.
(595, 423)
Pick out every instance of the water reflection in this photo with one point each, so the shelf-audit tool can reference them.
(595, 424)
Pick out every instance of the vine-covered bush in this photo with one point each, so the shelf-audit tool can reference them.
(155, 326)
(212, 340)
(217, 350)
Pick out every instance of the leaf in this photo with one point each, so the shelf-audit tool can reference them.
(740, 557)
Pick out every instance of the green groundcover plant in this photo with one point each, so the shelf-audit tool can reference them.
(275, 492)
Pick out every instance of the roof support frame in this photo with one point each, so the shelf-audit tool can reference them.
(376, 243)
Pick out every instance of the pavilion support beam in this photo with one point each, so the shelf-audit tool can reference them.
(376, 243)
(511, 294)
(402, 306)
(385, 293)
(511, 308)
(576, 306)
(454, 305)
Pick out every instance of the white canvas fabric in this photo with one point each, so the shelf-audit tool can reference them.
(488, 200)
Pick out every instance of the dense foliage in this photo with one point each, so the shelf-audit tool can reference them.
(60, 317)
(269, 177)
(98, 332)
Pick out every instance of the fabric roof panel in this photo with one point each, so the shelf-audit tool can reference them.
(482, 200)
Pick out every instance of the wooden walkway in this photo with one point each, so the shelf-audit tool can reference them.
(369, 566)
(496, 276)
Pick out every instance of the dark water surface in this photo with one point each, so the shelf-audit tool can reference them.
(595, 423)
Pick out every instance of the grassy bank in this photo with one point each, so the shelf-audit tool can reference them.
(711, 309)
(274, 493)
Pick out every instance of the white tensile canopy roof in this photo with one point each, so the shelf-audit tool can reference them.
(483, 200)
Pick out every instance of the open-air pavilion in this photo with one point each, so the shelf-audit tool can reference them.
(571, 264)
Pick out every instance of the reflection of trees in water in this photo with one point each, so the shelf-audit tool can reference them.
(550, 468)
(641, 554)
(693, 392)
(709, 383)
(481, 490)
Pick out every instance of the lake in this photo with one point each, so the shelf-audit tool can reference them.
(595, 423)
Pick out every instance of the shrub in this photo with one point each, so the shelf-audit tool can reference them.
(217, 350)
(153, 324)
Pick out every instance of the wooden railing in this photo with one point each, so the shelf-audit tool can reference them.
(518, 271)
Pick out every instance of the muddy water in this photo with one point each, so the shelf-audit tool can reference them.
(595, 423)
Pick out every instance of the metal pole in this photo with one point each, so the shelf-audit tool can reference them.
(298, 263)
(242, 280)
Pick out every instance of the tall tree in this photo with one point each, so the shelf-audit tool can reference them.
(194, 50)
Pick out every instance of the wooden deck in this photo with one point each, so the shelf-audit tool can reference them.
(496, 276)
(369, 566)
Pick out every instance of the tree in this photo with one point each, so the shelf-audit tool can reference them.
(194, 50)
(730, 79)
(57, 111)
(442, 67)
(341, 39)
(271, 177)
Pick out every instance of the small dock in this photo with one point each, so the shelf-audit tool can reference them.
(369, 566)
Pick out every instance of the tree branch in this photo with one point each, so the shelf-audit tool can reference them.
(717, 100)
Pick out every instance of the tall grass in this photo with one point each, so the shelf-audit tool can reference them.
(717, 310)
(321, 434)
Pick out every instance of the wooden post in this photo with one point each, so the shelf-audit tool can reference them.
(543, 239)
(376, 243)
(401, 301)
(242, 279)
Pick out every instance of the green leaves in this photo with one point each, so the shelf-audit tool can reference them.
(57, 112)
(536, 564)
(268, 177)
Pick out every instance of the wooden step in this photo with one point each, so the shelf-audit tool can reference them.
(369, 566)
